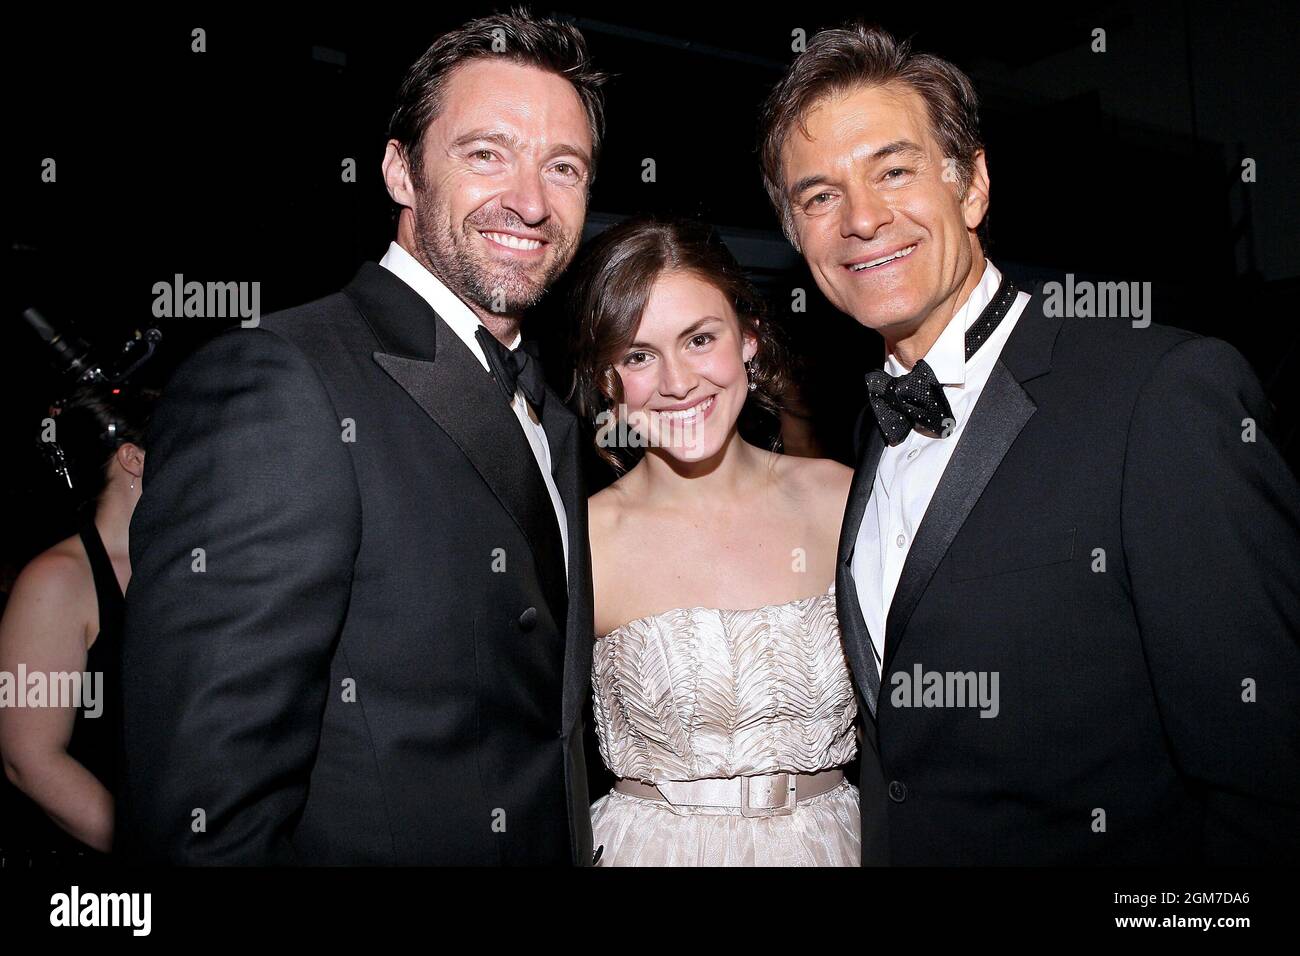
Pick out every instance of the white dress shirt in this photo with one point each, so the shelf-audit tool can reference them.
(909, 472)
(463, 322)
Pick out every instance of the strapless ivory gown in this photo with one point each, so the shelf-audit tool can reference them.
(701, 692)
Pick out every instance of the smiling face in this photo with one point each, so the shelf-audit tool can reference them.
(684, 374)
(500, 202)
(877, 210)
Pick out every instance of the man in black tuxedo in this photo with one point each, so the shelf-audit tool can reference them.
(1069, 575)
(359, 629)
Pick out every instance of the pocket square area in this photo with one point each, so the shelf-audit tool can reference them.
(1031, 545)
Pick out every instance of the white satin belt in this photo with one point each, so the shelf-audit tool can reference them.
(762, 795)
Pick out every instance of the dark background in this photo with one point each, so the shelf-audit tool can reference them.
(225, 166)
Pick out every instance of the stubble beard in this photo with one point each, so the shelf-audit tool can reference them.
(499, 288)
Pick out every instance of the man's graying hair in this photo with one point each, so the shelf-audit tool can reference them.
(517, 37)
(857, 55)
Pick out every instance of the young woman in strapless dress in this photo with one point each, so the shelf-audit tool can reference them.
(722, 700)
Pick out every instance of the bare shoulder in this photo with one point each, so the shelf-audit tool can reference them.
(604, 507)
(609, 510)
(54, 574)
(822, 482)
(54, 595)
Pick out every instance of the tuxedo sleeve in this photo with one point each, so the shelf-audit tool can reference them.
(242, 549)
(1211, 532)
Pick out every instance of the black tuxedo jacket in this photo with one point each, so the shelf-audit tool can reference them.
(1149, 712)
(374, 658)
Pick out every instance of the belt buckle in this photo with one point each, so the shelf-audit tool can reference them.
(787, 805)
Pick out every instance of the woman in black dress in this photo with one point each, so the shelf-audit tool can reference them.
(65, 617)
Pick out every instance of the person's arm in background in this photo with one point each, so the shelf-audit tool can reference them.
(227, 649)
(1211, 530)
(44, 629)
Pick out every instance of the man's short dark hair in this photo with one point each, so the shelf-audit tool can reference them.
(858, 55)
(517, 37)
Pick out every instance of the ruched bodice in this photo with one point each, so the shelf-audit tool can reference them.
(700, 692)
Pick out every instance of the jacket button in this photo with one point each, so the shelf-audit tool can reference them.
(897, 791)
(528, 620)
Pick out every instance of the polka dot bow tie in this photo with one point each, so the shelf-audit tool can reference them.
(916, 400)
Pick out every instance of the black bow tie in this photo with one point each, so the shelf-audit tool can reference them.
(520, 368)
(916, 400)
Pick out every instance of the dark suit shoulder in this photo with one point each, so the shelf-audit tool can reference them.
(1138, 360)
(1101, 367)
(319, 334)
(317, 328)
(1115, 345)
(1107, 350)
(302, 320)
(250, 347)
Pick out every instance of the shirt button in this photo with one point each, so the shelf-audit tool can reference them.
(528, 620)
(901, 540)
(897, 791)
(913, 453)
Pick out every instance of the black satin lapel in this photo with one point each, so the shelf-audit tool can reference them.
(562, 435)
(856, 640)
(1001, 412)
(467, 404)
(853, 629)
(561, 427)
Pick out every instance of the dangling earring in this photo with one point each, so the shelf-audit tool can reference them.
(749, 371)
(133, 484)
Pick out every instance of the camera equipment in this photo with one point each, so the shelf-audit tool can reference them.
(80, 365)
(76, 360)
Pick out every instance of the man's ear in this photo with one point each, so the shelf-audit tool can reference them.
(975, 204)
(397, 176)
(131, 458)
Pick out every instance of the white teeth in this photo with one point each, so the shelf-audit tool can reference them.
(875, 262)
(513, 242)
(684, 414)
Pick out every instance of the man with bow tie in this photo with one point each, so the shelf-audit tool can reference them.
(386, 657)
(1064, 505)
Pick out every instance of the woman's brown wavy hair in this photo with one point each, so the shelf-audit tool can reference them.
(614, 277)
